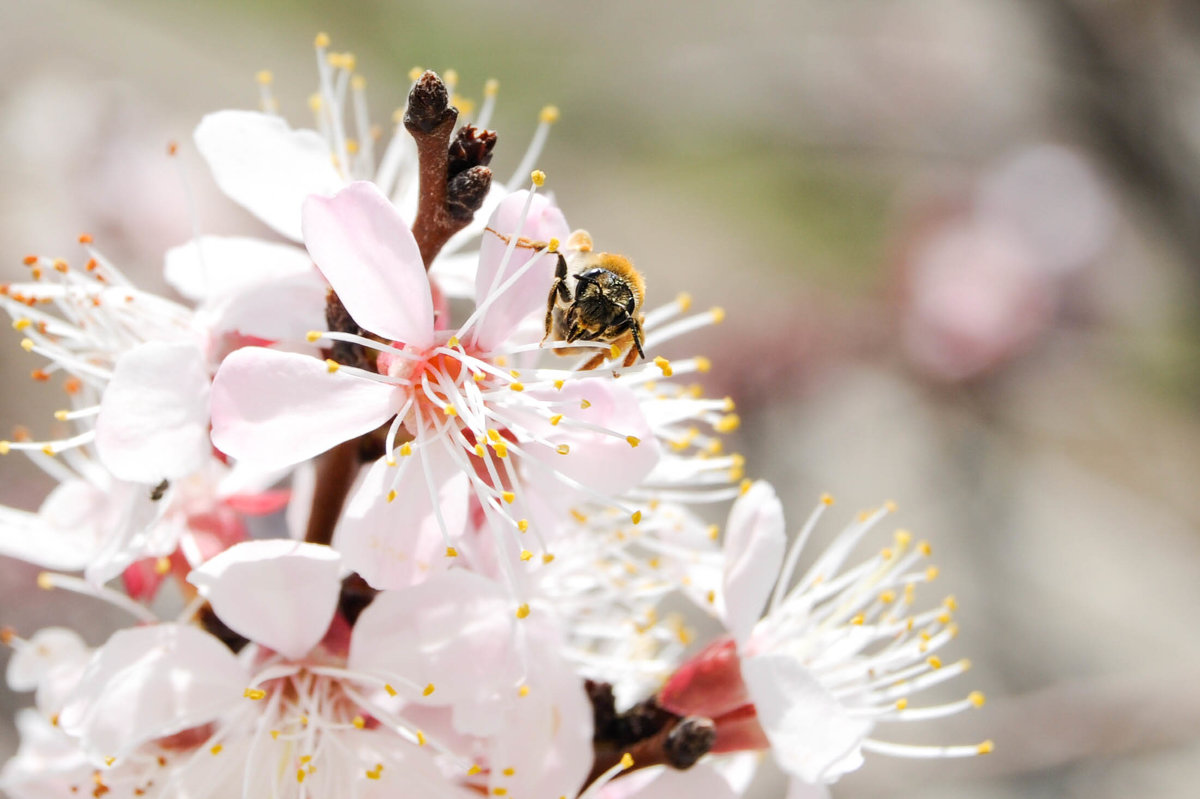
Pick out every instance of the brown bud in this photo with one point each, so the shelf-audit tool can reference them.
(466, 192)
(212, 624)
(355, 597)
(428, 105)
(690, 740)
(471, 147)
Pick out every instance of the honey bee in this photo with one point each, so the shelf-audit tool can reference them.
(605, 304)
(596, 296)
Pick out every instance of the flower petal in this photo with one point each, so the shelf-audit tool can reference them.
(46, 649)
(153, 421)
(283, 309)
(529, 293)
(265, 166)
(754, 545)
(399, 543)
(812, 736)
(278, 592)
(209, 266)
(275, 409)
(369, 256)
(148, 682)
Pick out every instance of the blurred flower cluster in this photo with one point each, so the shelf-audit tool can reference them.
(490, 489)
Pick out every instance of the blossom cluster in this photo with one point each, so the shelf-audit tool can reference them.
(489, 485)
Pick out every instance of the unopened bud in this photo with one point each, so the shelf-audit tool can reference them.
(428, 104)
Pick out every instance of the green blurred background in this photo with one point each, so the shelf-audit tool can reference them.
(958, 244)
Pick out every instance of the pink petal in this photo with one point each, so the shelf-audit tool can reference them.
(153, 421)
(211, 266)
(529, 293)
(369, 256)
(701, 780)
(812, 736)
(709, 684)
(275, 409)
(265, 166)
(608, 464)
(399, 543)
(754, 545)
(284, 309)
(149, 682)
(278, 592)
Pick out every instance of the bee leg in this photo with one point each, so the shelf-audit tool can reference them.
(595, 361)
(522, 242)
(637, 338)
(631, 356)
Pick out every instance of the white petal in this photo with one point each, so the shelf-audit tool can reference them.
(48, 648)
(62, 535)
(279, 593)
(265, 166)
(149, 682)
(799, 789)
(153, 421)
(284, 309)
(210, 266)
(399, 543)
(812, 736)
(701, 780)
(754, 546)
(369, 256)
(275, 409)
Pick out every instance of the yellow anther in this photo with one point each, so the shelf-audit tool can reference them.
(517, 385)
(349, 62)
(728, 405)
(300, 775)
(718, 315)
(22, 323)
(501, 449)
(553, 245)
(549, 114)
(391, 496)
(665, 365)
(703, 364)
(526, 554)
(452, 342)
(636, 517)
(478, 377)
(522, 610)
(162, 566)
(264, 77)
(626, 760)
(965, 664)
(901, 704)
(359, 722)
(450, 76)
(684, 301)
(924, 548)
(555, 419)
(714, 532)
(558, 384)
(711, 597)
(254, 693)
(498, 791)
(727, 423)
(358, 83)
(49, 450)
(943, 618)
(509, 497)
(931, 573)
(493, 435)
(903, 538)
(61, 415)
(451, 552)
(332, 365)
(313, 335)
(578, 516)
(633, 440)
(950, 603)
(976, 698)
(952, 630)
(415, 73)
(925, 636)
(614, 351)
(374, 774)
(473, 770)
(886, 553)
(450, 410)
(584, 404)
(314, 102)
(934, 662)
(986, 747)
(889, 506)
(563, 449)
(420, 738)
(523, 525)
(406, 449)
(508, 772)
(887, 597)
(390, 690)
(548, 557)
(538, 177)
(744, 487)
(322, 40)
(491, 87)
(479, 451)
(858, 620)
(27, 344)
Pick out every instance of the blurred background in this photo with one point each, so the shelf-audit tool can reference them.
(958, 243)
